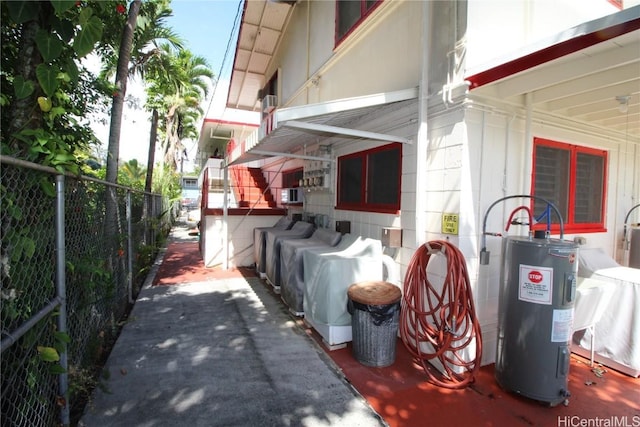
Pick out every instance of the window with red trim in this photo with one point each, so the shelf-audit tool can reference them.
(349, 14)
(572, 178)
(370, 180)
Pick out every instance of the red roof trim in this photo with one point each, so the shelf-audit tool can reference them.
(550, 53)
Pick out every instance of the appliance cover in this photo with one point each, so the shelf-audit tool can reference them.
(292, 267)
(259, 234)
(328, 273)
(274, 238)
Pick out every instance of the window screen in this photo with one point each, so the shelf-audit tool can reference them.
(573, 179)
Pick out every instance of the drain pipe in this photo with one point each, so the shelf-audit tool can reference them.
(422, 140)
(225, 217)
(527, 156)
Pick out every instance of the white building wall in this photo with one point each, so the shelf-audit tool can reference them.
(382, 55)
(500, 27)
(475, 155)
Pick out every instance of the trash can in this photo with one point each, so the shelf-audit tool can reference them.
(375, 314)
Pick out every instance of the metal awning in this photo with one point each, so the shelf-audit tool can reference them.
(285, 131)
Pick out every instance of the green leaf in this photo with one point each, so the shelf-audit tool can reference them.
(29, 247)
(63, 157)
(62, 337)
(22, 87)
(45, 104)
(64, 77)
(49, 45)
(64, 28)
(62, 6)
(88, 36)
(48, 187)
(48, 354)
(46, 75)
(84, 16)
(57, 111)
(72, 70)
(22, 11)
(56, 369)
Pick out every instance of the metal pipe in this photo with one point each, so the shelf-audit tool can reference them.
(14, 336)
(484, 258)
(422, 137)
(626, 220)
(225, 218)
(129, 248)
(61, 291)
(528, 145)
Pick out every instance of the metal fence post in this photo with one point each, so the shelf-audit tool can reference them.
(129, 248)
(61, 290)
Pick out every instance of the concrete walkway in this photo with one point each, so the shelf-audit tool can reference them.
(220, 352)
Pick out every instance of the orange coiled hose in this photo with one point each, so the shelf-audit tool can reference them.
(441, 323)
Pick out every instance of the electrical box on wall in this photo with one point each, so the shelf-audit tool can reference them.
(392, 237)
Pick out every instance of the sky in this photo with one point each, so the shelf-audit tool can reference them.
(207, 27)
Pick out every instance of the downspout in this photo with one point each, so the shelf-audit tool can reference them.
(422, 140)
(527, 156)
(308, 4)
(225, 217)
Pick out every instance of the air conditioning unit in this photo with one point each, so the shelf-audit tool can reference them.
(269, 103)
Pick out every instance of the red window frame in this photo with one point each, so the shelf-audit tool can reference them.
(363, 204)
(364, 12)
(570, 225)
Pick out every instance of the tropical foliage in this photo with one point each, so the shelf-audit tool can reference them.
(178, 83)
(46, 90)
(48, 94)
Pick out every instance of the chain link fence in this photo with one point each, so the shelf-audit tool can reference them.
(74, 253)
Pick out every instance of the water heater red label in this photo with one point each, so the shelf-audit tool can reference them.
(535, 284)
(535, 276)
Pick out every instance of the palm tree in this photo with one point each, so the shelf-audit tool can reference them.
(150, 28)
(133, 173)
(122, 75)
(178, 87)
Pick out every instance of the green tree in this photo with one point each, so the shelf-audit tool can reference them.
(151, 29)
(176, 90)
(46, 92)
(122, 75)
(132, 174)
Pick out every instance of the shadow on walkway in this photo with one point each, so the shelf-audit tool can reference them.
(214, 348)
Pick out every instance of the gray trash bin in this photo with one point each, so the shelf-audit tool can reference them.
(375, 314)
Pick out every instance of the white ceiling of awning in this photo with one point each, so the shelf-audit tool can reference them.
(296, 127)
(583, 84)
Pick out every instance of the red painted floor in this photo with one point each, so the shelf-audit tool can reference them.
(401, 394)
(183, 263)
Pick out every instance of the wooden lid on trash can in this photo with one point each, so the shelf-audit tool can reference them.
(374, 293)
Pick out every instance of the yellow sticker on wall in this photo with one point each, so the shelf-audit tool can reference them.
(450, 223)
